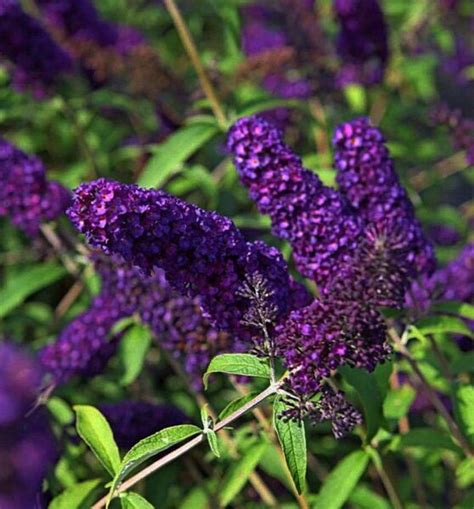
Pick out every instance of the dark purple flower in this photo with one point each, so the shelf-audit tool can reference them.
(84, 346)
(460, 128)
(38, 62)
(26, 196)
(367, 178)
(177, 322)
(443, 235)
(132, 421)
(362, 43)
(202, 253)
(329, 333)
(27, 446)
(79, 19)
(315, 219)
(333, 407)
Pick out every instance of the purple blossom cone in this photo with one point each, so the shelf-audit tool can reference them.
(27, 446)
(26, 196)
(84, 347)
(132, 421)
(79, 20)
(177, 322)
(362, 44)
(367, 178)
(315, 219)
(38, 61)
(202, 253)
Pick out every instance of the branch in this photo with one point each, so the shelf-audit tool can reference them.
(189, 445)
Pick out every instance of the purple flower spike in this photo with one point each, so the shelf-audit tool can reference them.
(366, 176)
(362, 43)
(202, 253)
(83, 348)
(315, 219)
(26, 196)
(38, 61)
(132, 421)
(28, 448)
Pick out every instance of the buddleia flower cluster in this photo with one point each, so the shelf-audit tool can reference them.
(37, 61)
(28, 448)
(104, 48)
(201, 253)
(132, 421)
(85, 346)
(460, 128)
(358, 259)
(27, 197)
(362, 43)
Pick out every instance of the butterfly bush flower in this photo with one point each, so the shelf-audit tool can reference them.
(38, 62)
(80, 20)
(27, 446)
(460, 128)
(84, 347)
(202, 253)
(26, 196)
(132, 421)
(315, 219)
(176, 321)
(362, 43)
(366, 176)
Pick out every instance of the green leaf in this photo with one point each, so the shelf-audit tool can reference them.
(79, 496)
(26, 283)
(364, 498)
(133, 500)
(456, 308)
(464, 409)
(132, 352)
(150, 446)
(339, 484)
(465, 364)
(398, 401)
(356, 97)
(174, 151)
(367, 389)
(428, 438)
(239, 473)
(94, 429)
(213, 443)
(291, 435)
(259, 105)
(236, 404)
(237, 364)
(441, 324)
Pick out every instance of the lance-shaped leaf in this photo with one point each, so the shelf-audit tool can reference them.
(239, 473)
(291, 435)
(339, 484)
(132, 351)
(94, 429)
(150, 446)
(79, 496)
(367, 389)
(133, 500)
(243, 364)
(236, 404)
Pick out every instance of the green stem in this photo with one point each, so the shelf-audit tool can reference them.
(191, 50)
(272, 389)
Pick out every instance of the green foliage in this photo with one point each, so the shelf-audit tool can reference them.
(94, 429)
(30, 280)
(339, 484)
(239, 473)
(134, 347)
(149, 447)
(237, 364)
(292, 438)
(133, 500)
(79, 496)
(169, 156)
